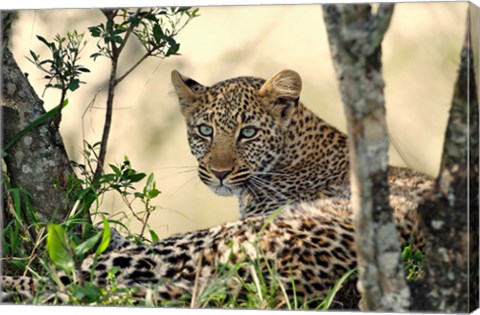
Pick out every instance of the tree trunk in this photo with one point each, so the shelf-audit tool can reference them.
(355, 37)
(38, 161)
(450, 215)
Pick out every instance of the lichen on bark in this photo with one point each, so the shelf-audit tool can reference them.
(37, 162)
(450, 213)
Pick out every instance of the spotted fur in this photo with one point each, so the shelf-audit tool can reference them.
(294, 155)
(255, 139)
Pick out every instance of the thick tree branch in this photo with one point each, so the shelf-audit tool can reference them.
(38, 161)
(450, 215)
(8, 18)
(355, 36)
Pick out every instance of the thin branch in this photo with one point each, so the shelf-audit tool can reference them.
(129, 32)
(139, 61)
(112, 83)
(123, 76)
(108, 119)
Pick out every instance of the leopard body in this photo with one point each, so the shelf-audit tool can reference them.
(253, 138)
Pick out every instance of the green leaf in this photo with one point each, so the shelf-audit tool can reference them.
(170, 40)
(418, 255)
(83, 69)
(73, 85)
(57, 247)
(157, 33)
(17, 202)
(116, 170)
(154, 236)
(153, 193)
(183, 9)
(107, 178)
(43, 40)
(134, 20)
(406, 253)
(194, 13)
(87, 245)
(34, 56)
(95, 56)
(119, 31)
(117, 39)
(173, 50)
(134, 178)
(105, 238)
(149, 180)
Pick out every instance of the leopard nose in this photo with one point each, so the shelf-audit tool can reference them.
(220, 174)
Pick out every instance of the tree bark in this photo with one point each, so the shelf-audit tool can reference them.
(8, 18)
(450, 214)
(38, 161)
(355, 37)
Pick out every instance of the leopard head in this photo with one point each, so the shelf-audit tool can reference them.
(237, 127)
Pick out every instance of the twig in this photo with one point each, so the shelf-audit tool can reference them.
(38, 241)
(145, 220)
(128, 33)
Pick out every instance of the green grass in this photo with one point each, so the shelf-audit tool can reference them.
(413, 261)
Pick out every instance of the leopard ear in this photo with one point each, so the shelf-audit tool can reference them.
(282, 93)
(187, 90)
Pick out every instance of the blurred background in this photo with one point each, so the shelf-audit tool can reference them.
(420, 58)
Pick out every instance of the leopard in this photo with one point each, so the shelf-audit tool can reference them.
(289, 169)
(254, 139)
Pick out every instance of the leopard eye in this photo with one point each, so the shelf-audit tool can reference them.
(248, 132)
(205, 130)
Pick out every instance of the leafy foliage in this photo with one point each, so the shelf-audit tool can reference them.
(62, 71)
(44, 247)
(59, 248)
(413, 260)
(155, 29)
(22, 233)
(123, 179)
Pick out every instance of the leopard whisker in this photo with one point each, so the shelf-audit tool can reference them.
(255, 196)
(267, 185)
(184, 184)
(176, 173)
(267, 196)
(175, 167)
(261, 190)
